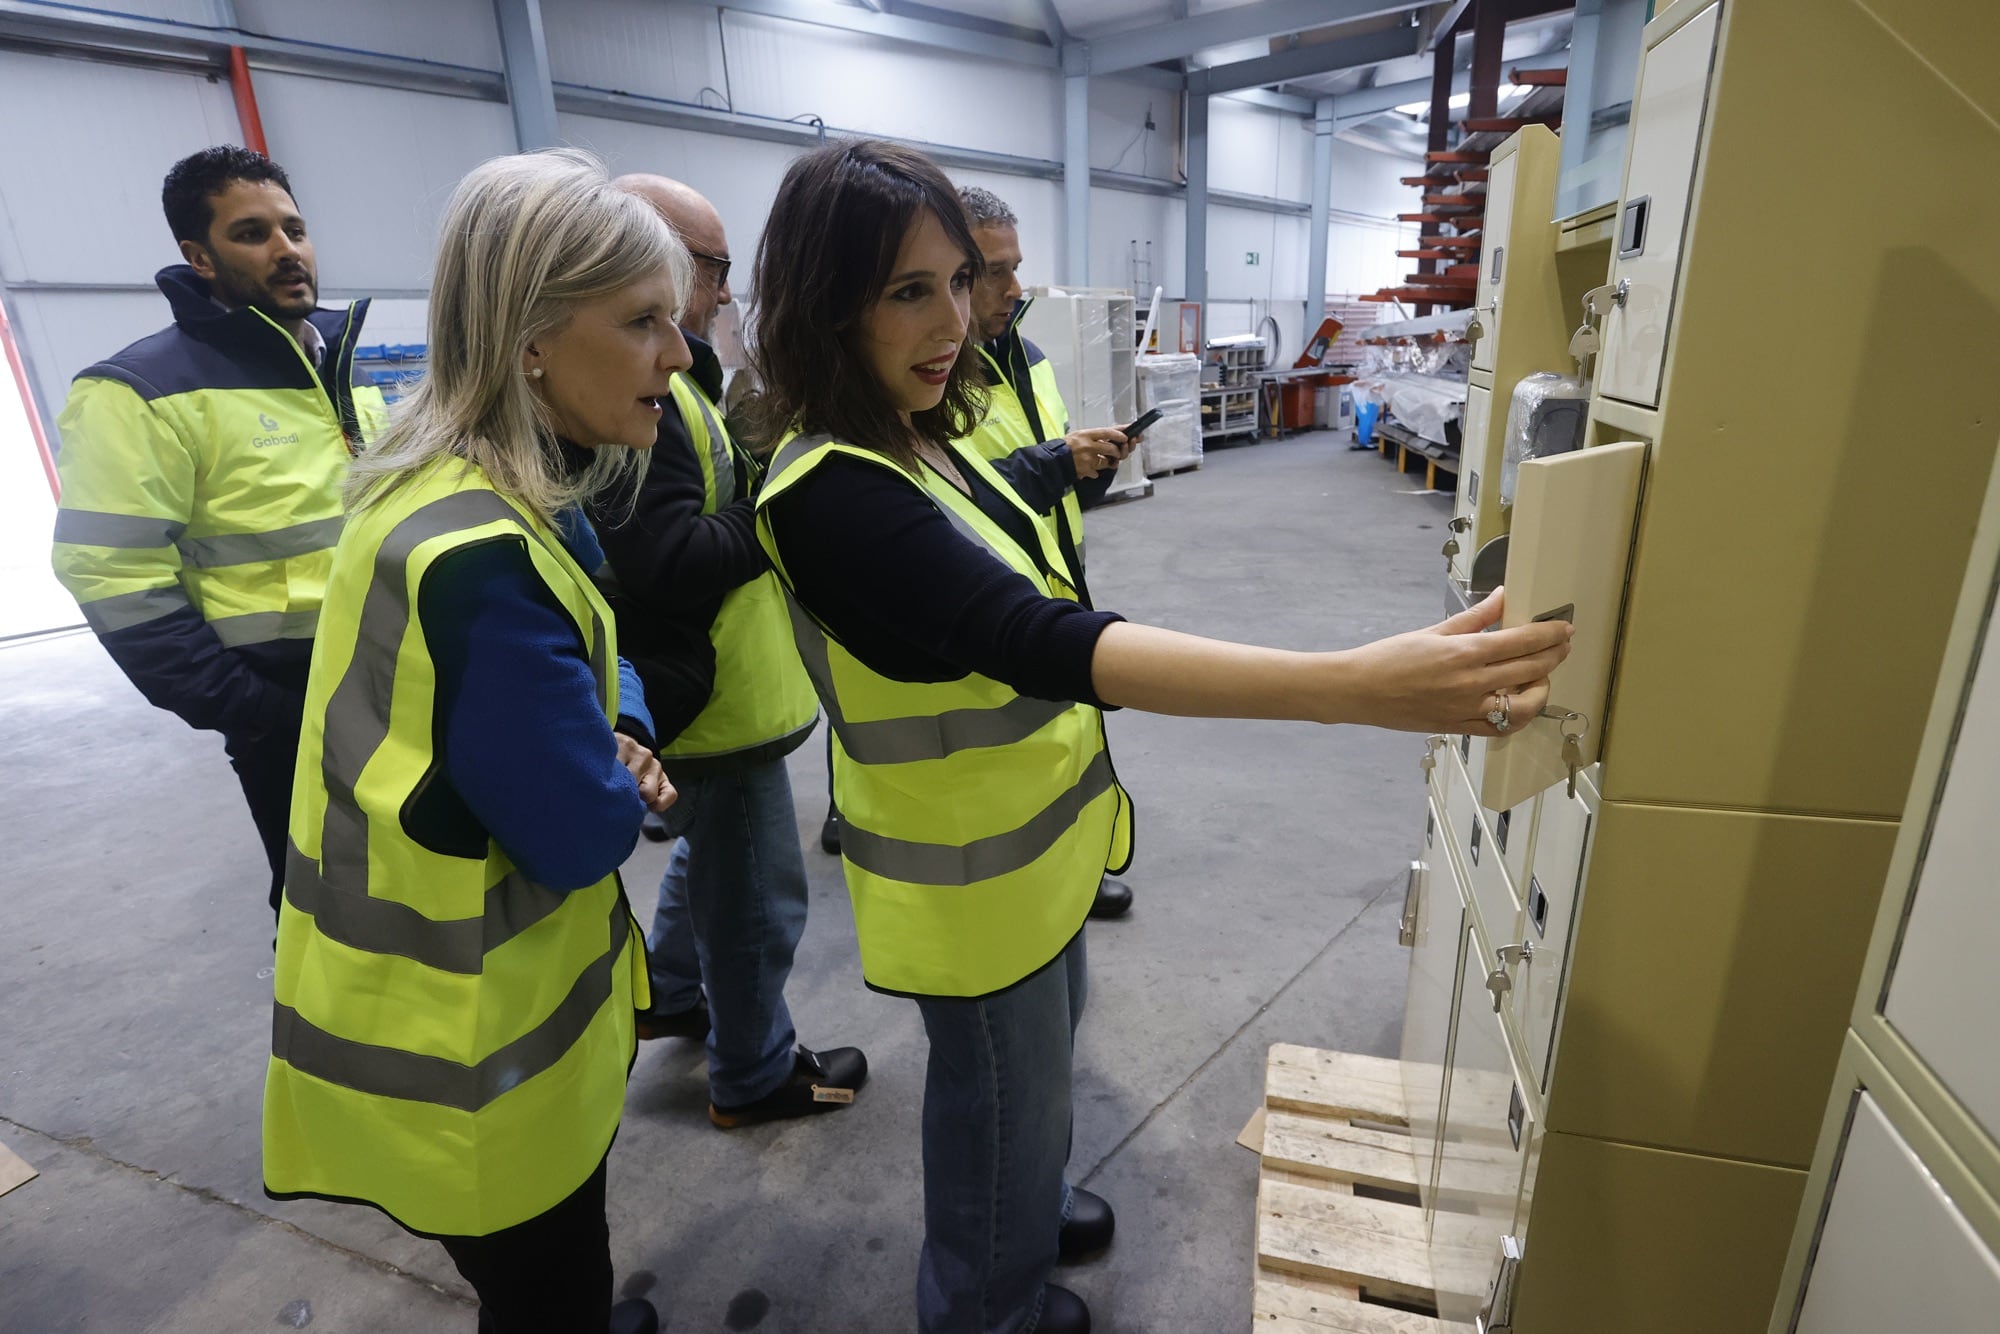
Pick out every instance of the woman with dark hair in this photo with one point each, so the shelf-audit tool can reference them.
(964, 685)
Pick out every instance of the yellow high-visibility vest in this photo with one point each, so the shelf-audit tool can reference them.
(179, 490)
(1006, 428)
(451, 1039)
(761, 693)
(976, 822)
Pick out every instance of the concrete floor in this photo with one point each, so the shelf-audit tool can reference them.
(135, 966)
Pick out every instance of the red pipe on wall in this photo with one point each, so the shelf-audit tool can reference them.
(246, 101)
(20, 373)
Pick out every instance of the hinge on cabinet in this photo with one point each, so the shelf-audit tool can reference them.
(1497, 1316)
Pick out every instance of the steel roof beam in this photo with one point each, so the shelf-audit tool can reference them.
(898, 27)
(1303, 61)
(1155, 42)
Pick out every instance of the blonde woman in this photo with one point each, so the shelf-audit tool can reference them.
(457, 969)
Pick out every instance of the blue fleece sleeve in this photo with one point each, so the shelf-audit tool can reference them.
(526, 745)
(634, 718)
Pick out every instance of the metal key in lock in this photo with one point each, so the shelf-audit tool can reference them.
(1600, 301)
(1572, 747)
(1430, 759)
(1500, 981)
(1459, 524)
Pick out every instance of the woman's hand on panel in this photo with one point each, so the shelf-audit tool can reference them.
(1447, 678)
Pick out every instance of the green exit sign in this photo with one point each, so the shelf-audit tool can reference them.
(1249, 257)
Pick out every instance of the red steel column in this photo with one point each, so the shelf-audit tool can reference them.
(246, 101)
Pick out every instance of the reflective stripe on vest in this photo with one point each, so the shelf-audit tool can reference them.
(228, 496)
(450, 1039)
(1005, 428)
(386, 1072)
(976, 822)
(761, 694)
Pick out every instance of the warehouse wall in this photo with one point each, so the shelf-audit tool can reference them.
(81, 235)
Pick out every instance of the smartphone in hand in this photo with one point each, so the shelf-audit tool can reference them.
(1138, 428)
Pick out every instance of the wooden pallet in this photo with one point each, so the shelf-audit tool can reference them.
(1341, 1246)
(1327, 1257)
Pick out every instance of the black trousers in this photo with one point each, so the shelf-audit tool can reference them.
(264, 766)
(549, 1275)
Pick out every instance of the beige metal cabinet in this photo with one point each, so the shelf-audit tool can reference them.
(1902, 1223)
(1524, 317)
(1789, 598)
(1653, 212)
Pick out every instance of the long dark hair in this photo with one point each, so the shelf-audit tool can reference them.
(827, 252)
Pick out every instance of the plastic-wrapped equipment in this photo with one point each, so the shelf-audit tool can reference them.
(1546, 417)
(1093, 342)
(1426, 404)
(1171, 383)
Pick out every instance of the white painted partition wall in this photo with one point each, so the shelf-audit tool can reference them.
(374, 164)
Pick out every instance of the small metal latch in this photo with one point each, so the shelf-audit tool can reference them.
(1413, 894)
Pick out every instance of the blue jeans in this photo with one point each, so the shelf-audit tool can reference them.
(732, 908)
(996, 1141)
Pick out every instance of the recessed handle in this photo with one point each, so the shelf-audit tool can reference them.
(1633, 225)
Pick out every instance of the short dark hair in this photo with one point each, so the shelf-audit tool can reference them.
(194, 181)
(827, 252)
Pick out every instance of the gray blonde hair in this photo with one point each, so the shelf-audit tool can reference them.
(524, 240)
(983, 208)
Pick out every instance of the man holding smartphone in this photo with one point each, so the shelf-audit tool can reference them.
(1026, 433)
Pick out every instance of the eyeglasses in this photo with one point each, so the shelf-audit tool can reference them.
(721, 263)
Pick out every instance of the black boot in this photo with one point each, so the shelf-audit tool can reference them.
(1114, 899)
(635, 1315)
(1088, 1229)
(1063, 1312)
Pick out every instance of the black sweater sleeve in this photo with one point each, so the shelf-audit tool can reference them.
(881, 567)
(669, 557)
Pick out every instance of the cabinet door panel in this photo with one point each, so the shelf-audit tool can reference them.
(1474, 478)
(1561, 842)
(1940, 994)
(1487, 1129)
(1431, 999)
(1574, 516)
(1659, 182)
(1494, 235)
(1894, 1252)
